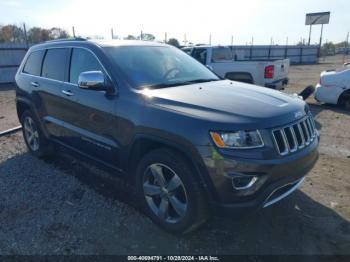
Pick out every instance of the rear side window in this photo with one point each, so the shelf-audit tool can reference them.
(82, 61)
(54, 65)
(33, 63)
(222, 54)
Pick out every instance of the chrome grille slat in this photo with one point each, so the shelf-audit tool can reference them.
(302, 135)
(313, 132)
(293, 137)
(306, 132)
(295, 148)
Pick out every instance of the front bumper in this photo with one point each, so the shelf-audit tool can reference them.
(277, 178)
(278, 84)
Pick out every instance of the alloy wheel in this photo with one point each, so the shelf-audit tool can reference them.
(31, 133)
(165, 193)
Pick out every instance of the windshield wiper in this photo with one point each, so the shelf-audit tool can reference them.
(195, 81)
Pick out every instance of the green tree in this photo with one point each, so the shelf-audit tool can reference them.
(174, 42)
(58, 33)
(38, 34)
(148, 37)
(130, 37)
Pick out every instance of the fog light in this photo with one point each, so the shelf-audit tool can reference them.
(243, 182)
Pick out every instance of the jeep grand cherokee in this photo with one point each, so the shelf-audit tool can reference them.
(189, 141)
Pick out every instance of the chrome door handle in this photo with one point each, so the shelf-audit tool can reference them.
(35, 84)
(67, 92)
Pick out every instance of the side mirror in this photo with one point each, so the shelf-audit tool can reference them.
(92, 80)
(209, 67)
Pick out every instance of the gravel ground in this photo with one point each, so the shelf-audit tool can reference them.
(8, 117)
(66, 206)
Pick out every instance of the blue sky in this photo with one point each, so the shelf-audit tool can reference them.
(263, 20)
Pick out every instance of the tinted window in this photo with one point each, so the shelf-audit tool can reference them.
(187, 50)
(33, 64)
(82, 61)
(54, 65)
(200, 54)
(221, 54)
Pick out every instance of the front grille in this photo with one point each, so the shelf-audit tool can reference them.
(295, 136)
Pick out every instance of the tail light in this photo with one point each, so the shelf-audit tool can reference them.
(269, 70)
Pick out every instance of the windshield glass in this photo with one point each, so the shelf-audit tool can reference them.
(158, 66)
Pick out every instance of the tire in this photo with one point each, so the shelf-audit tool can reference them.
(344, 100)
(308, 91)
(240, 77)
(184, 207)
(36, 142)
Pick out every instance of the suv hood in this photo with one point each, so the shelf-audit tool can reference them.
(230, 102)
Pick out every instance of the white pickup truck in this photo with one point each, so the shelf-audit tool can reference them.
(221, 59)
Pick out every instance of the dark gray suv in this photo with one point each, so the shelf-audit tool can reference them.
(189, 141)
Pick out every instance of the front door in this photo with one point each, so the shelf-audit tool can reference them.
(90, 121)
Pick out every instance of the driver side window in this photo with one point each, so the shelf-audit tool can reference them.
(82, 61)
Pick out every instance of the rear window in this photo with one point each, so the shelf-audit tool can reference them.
(54, 65)
(222, 54)
(33, 63)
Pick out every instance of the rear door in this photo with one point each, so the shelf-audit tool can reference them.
(89, 120)
(48, 91)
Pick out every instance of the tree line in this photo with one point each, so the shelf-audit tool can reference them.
(14, 33)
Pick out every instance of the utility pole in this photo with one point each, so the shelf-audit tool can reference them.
(112, 35)
(73, 31)
(210, 39)
(185, 40)
(165, 37)
(141, 35)
(232, 40)
(25, 35)
(346, 45)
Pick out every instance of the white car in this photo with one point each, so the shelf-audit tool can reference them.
(334, 87)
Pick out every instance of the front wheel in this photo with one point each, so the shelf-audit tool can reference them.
(170, 192)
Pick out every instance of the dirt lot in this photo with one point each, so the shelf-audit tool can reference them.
(65, 206)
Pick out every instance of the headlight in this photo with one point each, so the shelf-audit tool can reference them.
(238, 139)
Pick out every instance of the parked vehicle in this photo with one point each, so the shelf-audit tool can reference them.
(189, 141)
(334, 87)
(220, 59)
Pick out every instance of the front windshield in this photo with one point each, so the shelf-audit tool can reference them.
(158, 66)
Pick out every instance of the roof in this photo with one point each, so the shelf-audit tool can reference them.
(105, 43)
(100, 43)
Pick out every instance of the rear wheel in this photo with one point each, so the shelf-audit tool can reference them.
(240, 77)
(169, 191)
(34, 138)
(344, 100)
